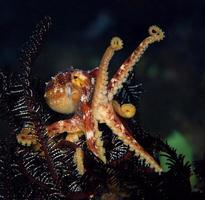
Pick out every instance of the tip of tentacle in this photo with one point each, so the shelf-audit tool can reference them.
(155, 166)
(78, 159)
(116, 43)
(157, 32)
(150, 162)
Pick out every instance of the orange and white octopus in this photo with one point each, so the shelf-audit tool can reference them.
(89, 95)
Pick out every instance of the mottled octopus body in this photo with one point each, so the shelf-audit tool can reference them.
(89, 95)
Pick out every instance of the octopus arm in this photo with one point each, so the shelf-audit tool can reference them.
(113, 122)
(78, 160)
(27, 136)
(100, 92)
(92, 134)
(75, 129)
(73, 125)
(116, 83)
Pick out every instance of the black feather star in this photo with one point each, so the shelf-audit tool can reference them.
(48, 172)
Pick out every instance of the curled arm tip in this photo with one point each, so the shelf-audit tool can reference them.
(116, 43)
(156, 32)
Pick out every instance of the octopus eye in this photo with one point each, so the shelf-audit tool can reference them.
(79, 80)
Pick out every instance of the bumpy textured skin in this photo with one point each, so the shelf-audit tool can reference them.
(90, 96)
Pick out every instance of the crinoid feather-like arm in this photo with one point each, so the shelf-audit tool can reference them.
(32, 48)
(155, 35)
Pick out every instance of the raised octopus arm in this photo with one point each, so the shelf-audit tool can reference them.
(100, 97)
(100, 92)
(102, 107)
(156, 34)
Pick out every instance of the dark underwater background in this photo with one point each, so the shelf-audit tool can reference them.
(172, 72)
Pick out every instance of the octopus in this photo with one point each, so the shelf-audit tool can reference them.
(89, 96)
